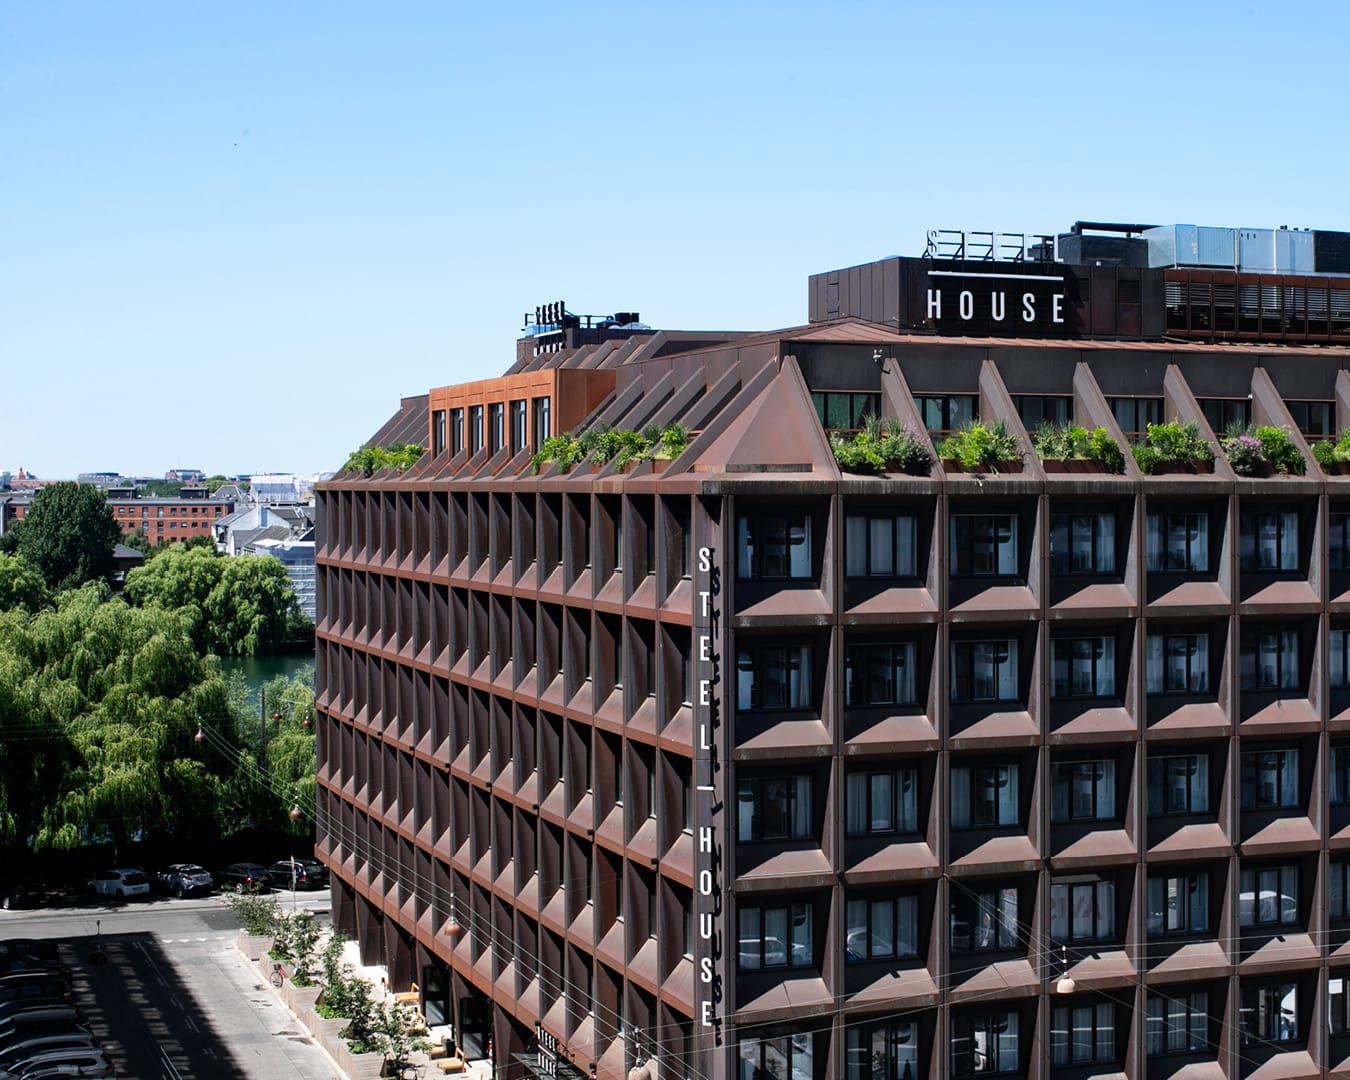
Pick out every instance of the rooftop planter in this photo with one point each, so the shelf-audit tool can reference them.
(372, 459)
(623, 446)
(879, 448)
(1262, 451)
(1334, 457)
(1174, 447)
(1076, 449)
(981, 447)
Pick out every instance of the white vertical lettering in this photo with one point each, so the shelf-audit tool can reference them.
(1057, 308)
(935, 303)
(703, 743)
(707, 602)
(967, 304)
(704, 647)
(705, 883)
(705, 840)
(705, 692)
(1028, 307)
(998, 303)
(704, 559)
(705, 925)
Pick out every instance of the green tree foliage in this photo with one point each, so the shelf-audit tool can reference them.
(21, 585)
(68, 535)
(99, 703)
(238, 606)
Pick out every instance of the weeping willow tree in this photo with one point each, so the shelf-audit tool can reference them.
(99, 706)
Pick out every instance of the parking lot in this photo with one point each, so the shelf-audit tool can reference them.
(167, 994)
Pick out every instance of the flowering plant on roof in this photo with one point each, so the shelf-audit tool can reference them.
(1251, 450)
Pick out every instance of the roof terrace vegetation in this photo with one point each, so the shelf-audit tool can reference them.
(981, 446)
(1333, 453)
(882, 446)
(1253, 451)
(398, 457)
(622, 446)
(1074, 443)
(1173, 445)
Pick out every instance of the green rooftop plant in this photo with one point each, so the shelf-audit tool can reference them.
(619, 445)
(1250, 449)
(1072, 442)
(373, 459)
(1329, 452)
(981, 446)
(1172, 443)
(883, 446)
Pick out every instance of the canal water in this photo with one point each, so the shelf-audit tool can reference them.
(258, 670)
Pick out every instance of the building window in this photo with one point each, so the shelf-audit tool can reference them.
(497, 424)
(1339, 668)
(520, 436)
(1178, 542)
(984, 1044)
(1269, 1014)
(773, 677)
(437, 432)
(1223, 413)
(879, 674)
(1313, 418)
(1083, 543)
(845, 412)
(475, 428)
(984, 919)
(883, 1052)
(1269, 779)
(1268, 540)
(880, 546)
(1134, 414)
(1083, 911)
(456, 431)
(882, 928)
(1083, 1034)
(1178, 1023)
(773, 808)
(984, 671)
(1338, 889)
(946, 412)
(775, 937)
(881, 802)
(1178, 784)
(774, 546)
(1269, 659)
(1177, 904)
(1268, 897)
(984, 545)
(1083, 667)
(1083, 790)
(1339, 541)
(788, 1057)
(542, 429)
(984, 796)
(1340, 776)
(1177, 663)
(1037, 409)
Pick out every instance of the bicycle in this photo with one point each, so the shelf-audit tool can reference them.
(278, 976)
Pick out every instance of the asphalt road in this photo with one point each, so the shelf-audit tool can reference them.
(174, 998)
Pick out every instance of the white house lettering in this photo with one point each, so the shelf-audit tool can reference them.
(707, 766)
(995, 305)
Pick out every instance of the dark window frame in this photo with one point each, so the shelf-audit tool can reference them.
(1064, 563)
(796, 803)
(862, 658)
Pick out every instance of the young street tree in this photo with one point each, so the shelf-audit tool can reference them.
(68, 535)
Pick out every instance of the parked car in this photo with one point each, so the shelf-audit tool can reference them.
(244, 877)
(22, 1051)
(40, 988)
(35, 1028)
(15, 895)
(184, 879)
(78, 1061)
(300, 874)
(122, 884)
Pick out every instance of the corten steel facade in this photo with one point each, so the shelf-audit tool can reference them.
(762, 769)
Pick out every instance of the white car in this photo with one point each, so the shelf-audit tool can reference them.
(84, 1062)
(122, 884)
(15, 1055)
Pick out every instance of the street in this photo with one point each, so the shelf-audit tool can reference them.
(174, 997)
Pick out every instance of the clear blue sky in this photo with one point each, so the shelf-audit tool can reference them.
(232, 235)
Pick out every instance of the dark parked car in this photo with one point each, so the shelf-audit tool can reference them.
(184, 879)
(305, 873)
(20, 894)
(244, 877)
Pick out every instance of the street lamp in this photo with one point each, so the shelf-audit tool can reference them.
(1066, 983)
